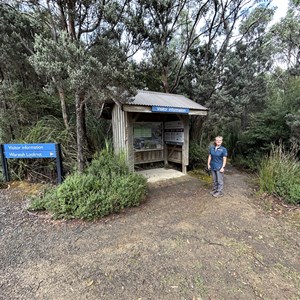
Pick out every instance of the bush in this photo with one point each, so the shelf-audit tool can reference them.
(280, 174)
(249, 162)
(197, 155)
(1, 180)
(106, 187)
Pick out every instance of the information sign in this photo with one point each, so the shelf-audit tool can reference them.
(43, 150)
(30, 150)
(174, 132)
(174, 110)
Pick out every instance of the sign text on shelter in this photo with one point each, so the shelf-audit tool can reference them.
(174, 110)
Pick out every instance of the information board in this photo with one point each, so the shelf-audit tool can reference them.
(147, 136)
(174, 132)
(142, 131)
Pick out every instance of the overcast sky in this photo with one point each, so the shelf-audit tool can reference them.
(281, 10)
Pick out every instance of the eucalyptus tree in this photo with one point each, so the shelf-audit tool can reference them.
(286, 35)
(15, 30)
(244, 78)
(66, 52)
(265, 96)
(225, 70)
(16, 74)
(170, 27)
(175, 27)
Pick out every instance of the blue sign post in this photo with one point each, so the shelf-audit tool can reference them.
(43, 150)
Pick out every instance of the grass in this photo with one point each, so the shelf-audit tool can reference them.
(200, 286)
(202, 175)
(279, 174)
(290, 275)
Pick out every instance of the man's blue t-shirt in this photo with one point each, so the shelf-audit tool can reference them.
(217, 155)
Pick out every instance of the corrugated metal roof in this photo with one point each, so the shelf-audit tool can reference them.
(147, 98)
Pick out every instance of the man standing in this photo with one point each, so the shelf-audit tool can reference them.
(216, 162)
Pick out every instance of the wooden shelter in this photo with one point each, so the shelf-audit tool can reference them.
(154, 127)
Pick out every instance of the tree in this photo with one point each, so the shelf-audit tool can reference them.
(227, 73)
(17, 77)
(246, 65)
(16, 39)
(174, 27)
(286, 35)
(64, 53)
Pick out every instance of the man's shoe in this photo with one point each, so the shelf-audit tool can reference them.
(212, 192)
(217, 195)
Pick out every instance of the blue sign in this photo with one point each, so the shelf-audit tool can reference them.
(174, 110)
(45, 150)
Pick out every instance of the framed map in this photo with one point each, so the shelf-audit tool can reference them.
(147, 135)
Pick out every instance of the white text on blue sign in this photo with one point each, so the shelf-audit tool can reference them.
(164, 109)
(45, 150)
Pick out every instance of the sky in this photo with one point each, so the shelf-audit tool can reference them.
(281, 10)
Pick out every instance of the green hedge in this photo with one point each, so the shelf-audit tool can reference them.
(106, 187)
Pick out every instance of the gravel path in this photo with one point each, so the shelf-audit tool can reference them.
(181, 243)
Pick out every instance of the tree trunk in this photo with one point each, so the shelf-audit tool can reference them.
(164, 79)
(63, 105)
(79, 99)
(244, 118)
(196, 127)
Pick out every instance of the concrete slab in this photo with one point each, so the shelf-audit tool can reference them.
(155, 175)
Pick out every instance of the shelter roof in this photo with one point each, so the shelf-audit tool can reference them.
(144, 100)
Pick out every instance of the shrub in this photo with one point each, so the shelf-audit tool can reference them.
(279, 173)
(1, 180)
(106, 187)
(249, 162)
(197, 155)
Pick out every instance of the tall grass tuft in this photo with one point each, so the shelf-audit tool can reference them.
(279, 174)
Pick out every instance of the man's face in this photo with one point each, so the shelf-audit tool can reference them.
(218, 142)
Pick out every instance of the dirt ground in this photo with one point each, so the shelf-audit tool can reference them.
(181, 243)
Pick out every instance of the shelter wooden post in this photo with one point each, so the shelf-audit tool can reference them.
(185, 147)
(122, 134)
(129, 129)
